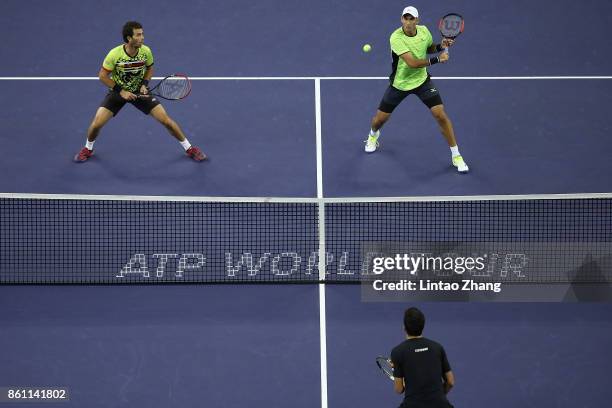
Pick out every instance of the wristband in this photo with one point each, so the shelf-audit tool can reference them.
(145, 82)
(117, 88)
(439, 48)
(434, 60)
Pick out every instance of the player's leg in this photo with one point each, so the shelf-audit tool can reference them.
(159, 113)
(103, 115)
(379, 120)
(390, 100)
(430, 96)
(446, 128)
(110, 106)
(445, 124)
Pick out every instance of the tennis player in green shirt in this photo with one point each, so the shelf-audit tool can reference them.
(410, 45)
(126, 71)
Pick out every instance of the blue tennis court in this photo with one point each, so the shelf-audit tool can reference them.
(143, 278)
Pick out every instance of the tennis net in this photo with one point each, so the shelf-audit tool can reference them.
(46, 239)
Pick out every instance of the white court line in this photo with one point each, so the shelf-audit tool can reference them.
(318, 78)
(322, 254)
(323, 343)
(318, 135)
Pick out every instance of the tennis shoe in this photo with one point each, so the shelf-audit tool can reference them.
(460, 164)
(83, 155)
(371, 144)
(195, 153)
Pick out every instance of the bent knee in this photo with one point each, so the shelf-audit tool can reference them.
(97, 124)
(439, 114)
(380, 119)
(166, 121)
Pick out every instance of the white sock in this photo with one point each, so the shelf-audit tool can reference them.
(374, 134)
(455, 151)
(89, 145)
(185, 143)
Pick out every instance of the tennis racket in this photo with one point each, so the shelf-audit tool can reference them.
(385, 366)
(451, 25)
(173, 88)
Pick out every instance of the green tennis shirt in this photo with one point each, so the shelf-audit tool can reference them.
(404, 77)
(128, 72)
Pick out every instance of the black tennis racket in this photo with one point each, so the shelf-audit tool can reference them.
(451, 25)
(385, 366)
(173, 88)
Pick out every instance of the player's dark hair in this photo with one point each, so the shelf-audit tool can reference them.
(414, 321)
(128, 29)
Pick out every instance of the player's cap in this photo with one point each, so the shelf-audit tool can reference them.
(411, 10)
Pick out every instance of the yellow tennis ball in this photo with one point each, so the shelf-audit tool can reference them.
(367, 48)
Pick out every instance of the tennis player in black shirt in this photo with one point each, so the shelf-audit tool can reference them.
(420, 367)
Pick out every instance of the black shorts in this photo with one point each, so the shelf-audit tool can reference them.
(436, 403)
(114, 102)
(427, 93)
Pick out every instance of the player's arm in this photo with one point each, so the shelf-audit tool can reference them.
(398, 382)
(144, 88)
(449, 381)
(436, 48)
(148, 73)
(398, 385)
(413, 62)
(105, 78)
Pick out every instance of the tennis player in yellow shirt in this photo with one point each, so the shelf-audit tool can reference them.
(410, 45)
(126, 71)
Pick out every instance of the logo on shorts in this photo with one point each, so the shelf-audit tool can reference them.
(433, 90)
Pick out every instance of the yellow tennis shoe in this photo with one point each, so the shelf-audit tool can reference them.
(371, 144)
(460, 164)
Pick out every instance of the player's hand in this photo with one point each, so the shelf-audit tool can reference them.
(144, 90)
(128, 96)
(443, 57)
(447, 42)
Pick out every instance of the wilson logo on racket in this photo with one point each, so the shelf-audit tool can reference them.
(451, 25)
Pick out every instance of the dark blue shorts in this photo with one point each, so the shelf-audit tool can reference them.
(427, 92)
